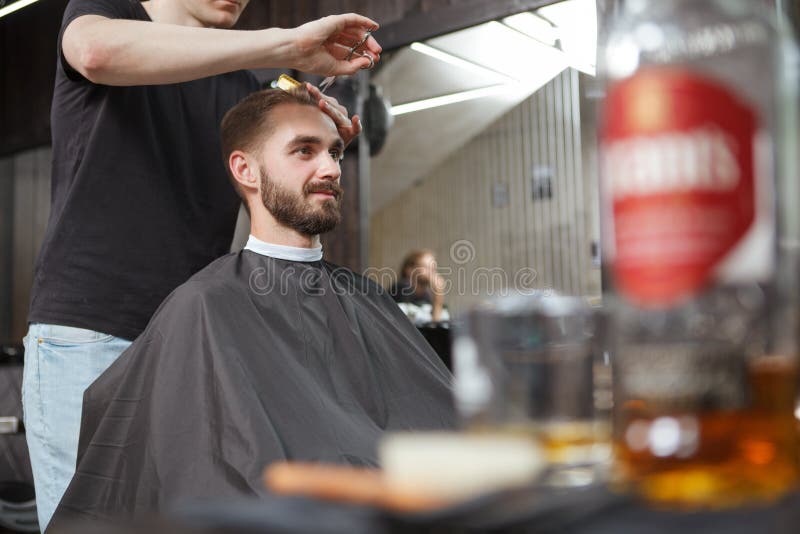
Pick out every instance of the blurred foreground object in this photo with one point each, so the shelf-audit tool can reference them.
(455, 467)
(697, 143)
(525, 366)
(421, 471)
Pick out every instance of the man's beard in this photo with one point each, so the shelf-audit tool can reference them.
(296, 212)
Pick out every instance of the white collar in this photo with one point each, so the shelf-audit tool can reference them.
(282, 252)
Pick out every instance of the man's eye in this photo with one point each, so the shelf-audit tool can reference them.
(304, 150)
(335, 154)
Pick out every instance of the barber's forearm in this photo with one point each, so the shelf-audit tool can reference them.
(438, 305)
(127, 52)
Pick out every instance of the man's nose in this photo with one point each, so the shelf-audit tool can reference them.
(329, 168)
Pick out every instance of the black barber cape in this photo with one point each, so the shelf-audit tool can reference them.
(253, 360)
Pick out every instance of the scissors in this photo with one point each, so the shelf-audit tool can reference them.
(327, 82)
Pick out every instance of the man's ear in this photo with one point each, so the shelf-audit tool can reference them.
(245, 170)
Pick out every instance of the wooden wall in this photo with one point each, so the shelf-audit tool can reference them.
(24, 208)
(480, 215)
(6, 247)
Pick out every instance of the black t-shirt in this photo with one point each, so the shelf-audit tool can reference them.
(140, 196)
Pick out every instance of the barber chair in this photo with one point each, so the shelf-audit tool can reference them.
(17, 500)
(438, 335)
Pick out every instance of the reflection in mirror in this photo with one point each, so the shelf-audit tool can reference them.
(488, 162)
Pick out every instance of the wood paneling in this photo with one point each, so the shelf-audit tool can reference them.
(485, 247)
(6, 239)
(30, 177)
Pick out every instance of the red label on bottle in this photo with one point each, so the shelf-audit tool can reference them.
(677, 156)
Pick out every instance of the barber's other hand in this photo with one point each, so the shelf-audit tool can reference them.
(321, 46)
(349, 127)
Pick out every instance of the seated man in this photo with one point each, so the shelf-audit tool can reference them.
(267, 354)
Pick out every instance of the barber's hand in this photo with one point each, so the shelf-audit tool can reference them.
(322, 45)
(349, 127)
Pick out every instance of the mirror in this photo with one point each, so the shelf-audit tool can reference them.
(489, 160)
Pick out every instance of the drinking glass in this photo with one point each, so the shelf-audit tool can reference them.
(533, 365)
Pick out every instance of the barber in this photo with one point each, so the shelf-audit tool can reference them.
(140, 198)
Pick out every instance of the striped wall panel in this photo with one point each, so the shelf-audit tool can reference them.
(26, 178)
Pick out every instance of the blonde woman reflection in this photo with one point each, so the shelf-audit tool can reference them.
(420, 289)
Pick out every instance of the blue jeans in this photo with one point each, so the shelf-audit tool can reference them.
(60, 363)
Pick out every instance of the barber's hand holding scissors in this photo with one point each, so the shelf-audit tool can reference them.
(337, 45)
(326, 46)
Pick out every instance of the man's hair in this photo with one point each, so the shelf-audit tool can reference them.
(247, 124)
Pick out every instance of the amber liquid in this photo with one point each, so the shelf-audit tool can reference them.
(563, 442)
(574, 442)
(736, 456)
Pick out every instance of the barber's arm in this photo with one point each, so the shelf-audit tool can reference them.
(129, 52)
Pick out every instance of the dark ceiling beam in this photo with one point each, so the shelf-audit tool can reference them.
(422, 26)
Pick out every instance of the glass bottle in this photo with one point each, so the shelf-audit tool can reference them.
(698, 139)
